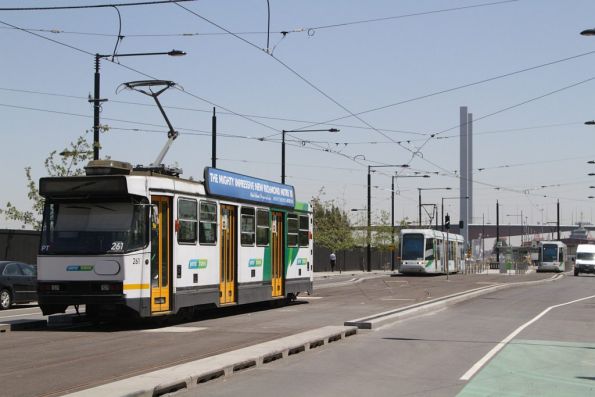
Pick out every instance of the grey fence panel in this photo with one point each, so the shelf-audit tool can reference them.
(350, 260)
(19, 245)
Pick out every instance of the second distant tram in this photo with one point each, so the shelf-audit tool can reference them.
(431, 251)
(552, 256)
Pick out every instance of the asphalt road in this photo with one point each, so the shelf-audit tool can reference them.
(56, 361)
(429, 355)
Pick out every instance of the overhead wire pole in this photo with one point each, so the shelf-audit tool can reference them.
(96, 96)
(419, 189)
(283, 132)
(214, 140)
(369, 228)
(497, 232)
(96, 108)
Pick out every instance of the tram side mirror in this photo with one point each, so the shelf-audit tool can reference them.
(154, 216)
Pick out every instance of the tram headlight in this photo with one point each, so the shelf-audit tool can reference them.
(55, 287)
(105, 287)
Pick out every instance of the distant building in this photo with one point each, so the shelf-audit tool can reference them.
(577, 236)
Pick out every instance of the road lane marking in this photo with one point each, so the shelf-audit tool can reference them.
(397, 299)
(477, 366)
(175, 329)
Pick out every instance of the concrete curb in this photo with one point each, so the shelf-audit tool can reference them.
(376, 320)
(22, 325)
(190, 375)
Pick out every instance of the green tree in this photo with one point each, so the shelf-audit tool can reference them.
(382, 236)
(332, 228)
(70, 162)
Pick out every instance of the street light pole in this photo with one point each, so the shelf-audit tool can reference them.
(96, 91)
(283, 132)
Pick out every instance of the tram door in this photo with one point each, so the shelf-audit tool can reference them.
(160, 254)
(277, 253)
(227, 271)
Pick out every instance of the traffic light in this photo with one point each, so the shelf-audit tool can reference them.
(447, 222)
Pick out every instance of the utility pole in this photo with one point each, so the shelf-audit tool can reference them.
(214, 140)
(96, 108)
(497, 232)
(369, 229)
(558, 219)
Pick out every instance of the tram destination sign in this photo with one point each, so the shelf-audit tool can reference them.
(228, 184)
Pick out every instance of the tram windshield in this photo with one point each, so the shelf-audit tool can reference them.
(94, 227)
(413, 247)
(550, 253)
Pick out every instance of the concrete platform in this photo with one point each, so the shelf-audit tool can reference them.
(22, 325)
(190, 375)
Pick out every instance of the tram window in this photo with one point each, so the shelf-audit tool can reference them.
(207, 233)
(292, 230)
(429, 254)
(188, 220)
(263, 227)
(247, 226)
(304, 231)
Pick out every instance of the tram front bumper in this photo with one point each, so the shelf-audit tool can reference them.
(80, 293)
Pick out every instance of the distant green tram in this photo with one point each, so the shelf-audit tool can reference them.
(431, 251)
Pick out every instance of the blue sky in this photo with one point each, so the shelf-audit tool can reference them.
(531, 155)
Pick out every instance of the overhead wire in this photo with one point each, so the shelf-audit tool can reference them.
(151, 35)
(209, 111)
(336, 25)
(268, 32)
(141, 73)
(313, 86)
(52, 8)
(293, 71)
(456, 88)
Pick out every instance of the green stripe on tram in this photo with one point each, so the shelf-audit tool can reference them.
(301, 206)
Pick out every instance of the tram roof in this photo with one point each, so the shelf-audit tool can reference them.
(431, 233)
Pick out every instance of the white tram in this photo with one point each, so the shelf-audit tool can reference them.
(431, 251)
(146, 241)
(552, 256)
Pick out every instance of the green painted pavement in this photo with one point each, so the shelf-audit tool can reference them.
(537, 368)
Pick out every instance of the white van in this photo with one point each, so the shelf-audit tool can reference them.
(585, 259)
